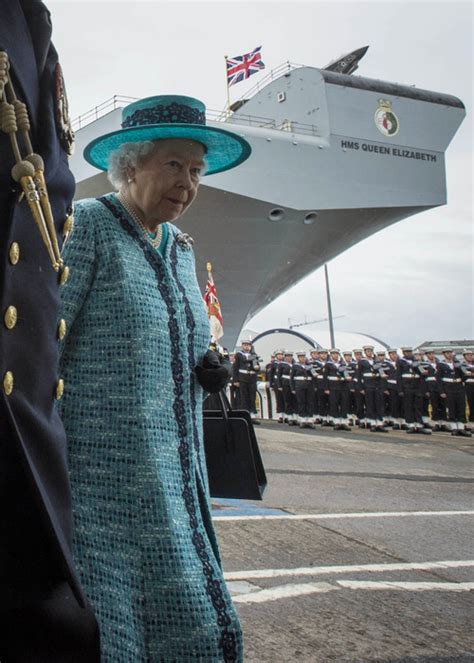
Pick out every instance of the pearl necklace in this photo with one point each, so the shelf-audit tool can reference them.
(154, 241)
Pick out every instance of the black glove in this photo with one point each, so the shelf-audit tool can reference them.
(213, 372)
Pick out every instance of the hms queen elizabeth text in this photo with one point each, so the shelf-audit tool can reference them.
(374, 148)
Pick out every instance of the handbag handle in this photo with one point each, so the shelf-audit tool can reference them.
(225, 409)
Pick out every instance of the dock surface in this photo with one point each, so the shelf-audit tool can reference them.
(361, 550)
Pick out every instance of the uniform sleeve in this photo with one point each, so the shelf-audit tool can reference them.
(236, 366)
(80, 257)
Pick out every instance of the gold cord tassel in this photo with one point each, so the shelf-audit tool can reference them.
(23, 172)
(29, 172)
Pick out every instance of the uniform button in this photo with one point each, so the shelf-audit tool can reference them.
(61, 329)
(10, 317)
(59, 389)
(14, 253)
(64, 275)
(8, 383)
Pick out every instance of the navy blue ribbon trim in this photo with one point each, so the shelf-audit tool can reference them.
(171, 114)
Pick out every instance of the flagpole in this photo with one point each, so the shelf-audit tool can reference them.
(227, 84)
(209, 267)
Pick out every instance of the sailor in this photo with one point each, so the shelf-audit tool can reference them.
(350, 369)
(323, 396)
(358, 396)
(451, 388)
(338, 394)
(426, 371)
(284, 385)
(383, 368)
(245, 372)
(370, 381)
(44, 615)
(467, 369)
(316, 367)
(272, 378)
(394, 405)
(431, 388)
(302, 388)
(410, 385)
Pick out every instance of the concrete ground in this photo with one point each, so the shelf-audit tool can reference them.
(361, 550)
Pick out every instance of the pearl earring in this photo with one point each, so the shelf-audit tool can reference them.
(130, 180)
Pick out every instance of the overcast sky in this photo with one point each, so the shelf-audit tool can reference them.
(409, 283)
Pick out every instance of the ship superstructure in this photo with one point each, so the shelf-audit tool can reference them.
(335, 158)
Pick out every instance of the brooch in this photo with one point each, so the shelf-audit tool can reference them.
(185, 241)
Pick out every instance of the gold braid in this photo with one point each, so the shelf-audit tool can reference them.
(28, 171)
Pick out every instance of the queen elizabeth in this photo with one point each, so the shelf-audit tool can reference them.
(136, 329)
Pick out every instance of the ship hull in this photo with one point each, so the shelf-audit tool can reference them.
(310, 189)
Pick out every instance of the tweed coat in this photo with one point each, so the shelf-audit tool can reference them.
(132, 408)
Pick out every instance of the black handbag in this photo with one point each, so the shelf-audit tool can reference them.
(234, 464)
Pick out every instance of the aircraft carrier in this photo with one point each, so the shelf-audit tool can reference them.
(335, 158)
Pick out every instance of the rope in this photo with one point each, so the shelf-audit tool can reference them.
(29, 172)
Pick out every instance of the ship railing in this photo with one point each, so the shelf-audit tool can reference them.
(240, 119)
(117, 101)
(277, 72)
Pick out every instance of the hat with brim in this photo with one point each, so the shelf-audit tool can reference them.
(171, 116)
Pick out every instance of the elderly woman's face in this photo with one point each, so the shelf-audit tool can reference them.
(166, 183)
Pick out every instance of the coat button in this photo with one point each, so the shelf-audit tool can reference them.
(64, 275)
(61, 329)
(10, 317)
(8, 383)
(59, 389)
(14, 253)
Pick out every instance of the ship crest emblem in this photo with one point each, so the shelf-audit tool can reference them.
(63, 121)
(385, 119)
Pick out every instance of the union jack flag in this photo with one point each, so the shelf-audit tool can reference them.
(213, 308)
(243, 66)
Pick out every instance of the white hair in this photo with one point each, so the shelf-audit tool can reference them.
(128, 155)
(131, 155)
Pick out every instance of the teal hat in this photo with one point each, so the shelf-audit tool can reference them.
(171, 116)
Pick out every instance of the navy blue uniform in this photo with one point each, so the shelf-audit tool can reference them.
(335, 383)
(272, 379)
(245, 373)
(302, 387)
(44, 615)
(283, 376)
(467, 370)
(409, 381)
(451, 383)
(369, 379)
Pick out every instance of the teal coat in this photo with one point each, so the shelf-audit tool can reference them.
(144, 541)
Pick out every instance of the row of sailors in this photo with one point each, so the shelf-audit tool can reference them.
(375, 390)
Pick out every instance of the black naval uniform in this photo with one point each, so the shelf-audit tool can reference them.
(349, 371)
(283, 379)
(316, 367)
(431, 387)
(394, 400)
(44, 616)
(370, 383)
(335, 383)
(410, 384)
(467, 370)
(450, 382)
(322, 396)
(358, 396)
(301, 386)
(272, 379)
(245, 372)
